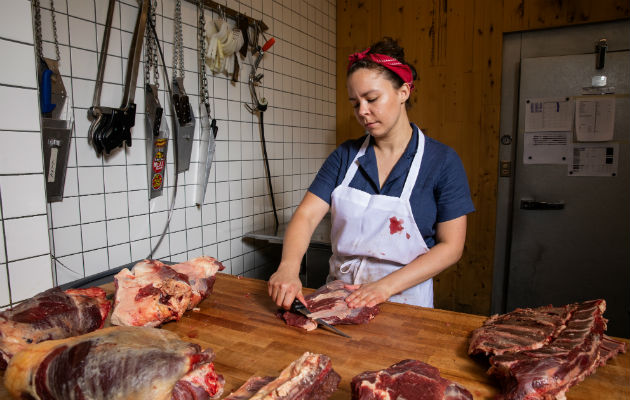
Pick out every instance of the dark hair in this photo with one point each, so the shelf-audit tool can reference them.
(388, 47)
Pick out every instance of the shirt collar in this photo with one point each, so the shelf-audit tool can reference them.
(368, 161)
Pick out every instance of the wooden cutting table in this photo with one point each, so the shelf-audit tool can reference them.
(238, 322)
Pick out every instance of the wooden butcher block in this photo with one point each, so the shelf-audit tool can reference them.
(238, 321)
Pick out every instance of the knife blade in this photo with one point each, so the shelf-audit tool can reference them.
(297, 306)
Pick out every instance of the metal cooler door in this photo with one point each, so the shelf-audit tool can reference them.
(571, 234)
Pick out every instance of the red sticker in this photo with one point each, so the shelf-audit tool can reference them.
(158, 162)
(156, 182)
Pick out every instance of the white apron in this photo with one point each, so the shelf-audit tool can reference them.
(374, 235)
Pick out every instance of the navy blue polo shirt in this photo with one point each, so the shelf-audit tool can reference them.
(440, 193)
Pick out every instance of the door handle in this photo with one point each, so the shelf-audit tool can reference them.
(541, 205)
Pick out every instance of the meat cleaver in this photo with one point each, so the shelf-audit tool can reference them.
(298, 307)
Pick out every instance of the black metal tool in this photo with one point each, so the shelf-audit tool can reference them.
(298, 307)
(111, 127)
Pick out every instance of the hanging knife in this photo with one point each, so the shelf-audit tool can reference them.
(297, 306)
(206, 152)
(184, 122)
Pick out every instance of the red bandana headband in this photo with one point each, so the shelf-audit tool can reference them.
(400, 69)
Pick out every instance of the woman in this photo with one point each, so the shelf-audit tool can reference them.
(398, 199)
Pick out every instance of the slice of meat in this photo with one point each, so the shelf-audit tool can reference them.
(201, 276)
(53, 314)
(153, 293)
(521, 329)
(407, 379)
(328, 303)
(114, 363)
(250, 388)
(310, 377)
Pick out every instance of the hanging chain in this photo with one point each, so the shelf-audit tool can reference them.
(156, 73)
(54, 28)
(38, 29)
(150, 59)
(178, 41)
(201, 33)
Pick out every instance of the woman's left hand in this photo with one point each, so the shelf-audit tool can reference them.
(367, 294)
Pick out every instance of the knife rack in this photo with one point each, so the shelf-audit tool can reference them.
(229, 12)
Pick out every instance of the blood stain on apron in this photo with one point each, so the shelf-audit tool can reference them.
(395, 225)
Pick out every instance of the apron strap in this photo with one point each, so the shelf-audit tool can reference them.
(355, 165)
(414, 170)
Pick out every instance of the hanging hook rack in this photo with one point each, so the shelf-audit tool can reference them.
(214, 6)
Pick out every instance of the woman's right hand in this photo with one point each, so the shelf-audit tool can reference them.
(284, 286)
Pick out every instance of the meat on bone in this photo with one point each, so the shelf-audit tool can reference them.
(115, 363)
(310, 377)
(153, 293)
(53, 314)
(328, 303)
(546, 371)
(407, 379)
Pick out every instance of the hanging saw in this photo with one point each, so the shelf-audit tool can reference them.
(184, 119)
(111, 127)
(56, 120)
(209, 129)
(156, 128)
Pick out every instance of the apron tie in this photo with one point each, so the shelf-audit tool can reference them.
(351, 265)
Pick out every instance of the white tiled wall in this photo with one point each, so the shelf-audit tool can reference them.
(105, 219)
(25, 264)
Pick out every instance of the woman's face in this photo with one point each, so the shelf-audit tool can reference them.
(378, 106)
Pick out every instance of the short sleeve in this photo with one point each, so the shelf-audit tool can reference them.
(326, 179)
(452, 192)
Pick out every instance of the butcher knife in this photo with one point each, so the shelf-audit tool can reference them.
(297, 306)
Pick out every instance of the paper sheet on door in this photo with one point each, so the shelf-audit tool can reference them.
(595, 118)
(594, 159)
(546, 147)
(548, 114)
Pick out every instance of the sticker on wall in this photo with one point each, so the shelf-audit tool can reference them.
(548, 114)
(594, 159)
(546, 147)
(595, 118)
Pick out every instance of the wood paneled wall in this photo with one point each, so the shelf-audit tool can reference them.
(456, 48)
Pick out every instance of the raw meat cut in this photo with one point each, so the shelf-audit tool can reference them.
(153, 293)
(310, 377)
(547, 371)
(115, 363)
(407, 379)
(250, 388)
(521, 329)
(53, 314)
(328, 303)
(201, 276)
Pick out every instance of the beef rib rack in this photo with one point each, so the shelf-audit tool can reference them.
(153, 293)
(540, 353)
(53, 314)
(406, 380)
(310, 377)
(329, 304)
(115, 363)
